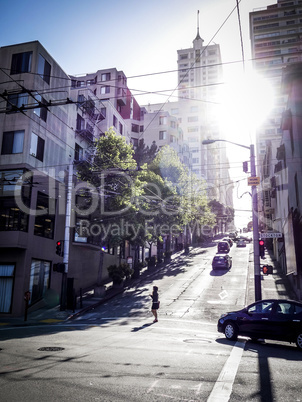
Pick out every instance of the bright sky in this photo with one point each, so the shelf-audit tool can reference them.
(136, 36)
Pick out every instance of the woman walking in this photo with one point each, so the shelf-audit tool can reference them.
(155, 302)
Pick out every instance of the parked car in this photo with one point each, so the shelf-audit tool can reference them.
(245, 238)
(230, 241)
(241, 243)
(223, 247)
(222, 261)
(275, 319)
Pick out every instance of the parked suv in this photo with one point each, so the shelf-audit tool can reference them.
(223, 247)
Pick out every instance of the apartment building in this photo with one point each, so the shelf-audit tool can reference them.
(275, 33)
(48, 123)
(287, 180)
(37, 146)
(199, 75)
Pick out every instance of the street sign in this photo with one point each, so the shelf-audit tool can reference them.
(270, 235)
(253, 181)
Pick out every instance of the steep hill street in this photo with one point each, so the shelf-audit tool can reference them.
(115, 353)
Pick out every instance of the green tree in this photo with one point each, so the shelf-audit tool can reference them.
(144, 154)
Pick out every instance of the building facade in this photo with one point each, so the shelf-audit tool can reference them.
(275, 33)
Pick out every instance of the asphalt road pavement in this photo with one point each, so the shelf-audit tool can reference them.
(115, 352)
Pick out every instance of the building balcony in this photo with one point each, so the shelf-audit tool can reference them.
(87, 134)
(121, 100)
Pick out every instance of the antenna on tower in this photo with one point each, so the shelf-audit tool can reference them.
(198, 36)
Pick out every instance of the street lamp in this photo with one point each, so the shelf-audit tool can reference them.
(257, 275)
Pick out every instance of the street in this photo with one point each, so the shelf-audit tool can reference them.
(116, 353)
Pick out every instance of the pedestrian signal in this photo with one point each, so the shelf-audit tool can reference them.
(267, 269)
(59, 267)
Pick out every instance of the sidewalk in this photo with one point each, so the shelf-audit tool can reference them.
(275, 286)
(89, 301)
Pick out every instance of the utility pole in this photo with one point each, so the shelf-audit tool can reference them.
(67, 237)
(257, 272)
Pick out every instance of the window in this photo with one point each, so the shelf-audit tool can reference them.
(80, 123)
(134, 141)
(11, 217)
(78, 152)
(21, 63)
(192, 118)
(40, 111)
(105, 77)
(103, 112)
(16, 101)
(12, 142)
(105, 90)
(173, 124)
(114, 121)
(39, 280)
(91, 82)
(163, 135)
(193, 129)
(135, 128)
(7, 272)
(44, 69)
(261, 307)
(162, 120)
(45, 216)
(121, 128)
(81, 84)
(195, 160)
(37, 147)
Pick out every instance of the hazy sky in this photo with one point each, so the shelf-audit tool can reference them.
(137, 36)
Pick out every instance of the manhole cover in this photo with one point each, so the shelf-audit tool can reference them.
(50, 349)
(197, 340)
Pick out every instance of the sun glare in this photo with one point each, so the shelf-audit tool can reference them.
(244, 103)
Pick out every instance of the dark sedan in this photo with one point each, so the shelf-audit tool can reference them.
(222, 261)
(275, 319)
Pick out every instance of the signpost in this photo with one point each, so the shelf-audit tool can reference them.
(253, 181)
(270, 235)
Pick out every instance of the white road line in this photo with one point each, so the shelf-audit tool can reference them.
(152, 386)
(224, 384)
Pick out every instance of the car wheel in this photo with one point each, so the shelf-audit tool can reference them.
(230, 331)
(299, 341)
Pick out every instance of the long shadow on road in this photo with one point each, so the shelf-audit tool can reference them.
(266, 352)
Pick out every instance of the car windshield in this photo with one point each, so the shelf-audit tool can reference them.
(219, 258)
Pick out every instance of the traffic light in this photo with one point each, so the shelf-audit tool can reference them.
(267, 269)
(245, 166)
(59, 248)
(261, 248)
(59, 267)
